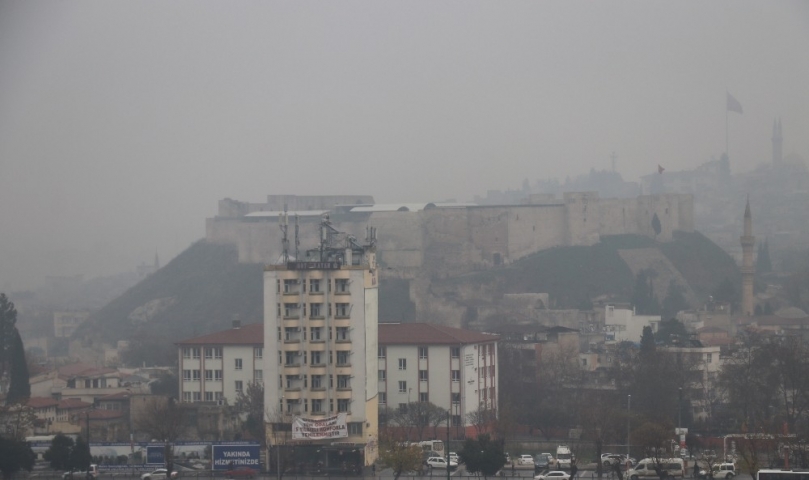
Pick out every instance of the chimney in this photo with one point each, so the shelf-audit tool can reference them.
(237, 324)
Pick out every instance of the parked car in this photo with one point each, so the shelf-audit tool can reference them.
(611, 459)
(158, 474)
(241, 472)
(525, 460)
(722, 470)
(453, 457)
(647, 468)
(553, 475)
(440, 462)
(82, 474)
(542, 461)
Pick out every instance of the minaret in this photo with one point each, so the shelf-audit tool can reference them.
(777, 143)
(748, 270)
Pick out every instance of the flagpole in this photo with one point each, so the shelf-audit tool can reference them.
(727, 149)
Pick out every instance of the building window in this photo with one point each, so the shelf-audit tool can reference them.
(343, 404)
(186, 375)
(316, 310)
(209, 353)
(382, 375)
(317, 381)
(424, 397)
(382, 352)
(217, 375)
(710, 357)
(341, 310)
(239, 385)
(342, 333)
(341, 285)
(208, 375)
(402, 364)
(279, 333)
(317, 405)
(280, 381)
(305, 404)
(186, 352)
(422, 352)
(316, 358)
(186, 396)
(456, 398)
(317, 332)
(217, 352)
(258, 376)
(290, 358)
(331, 404)
(195, 375)
(402, 386)
(455, 352)
(217, 396)
(289, 286)
(423, 375)
(342, 358)
(343, 381)
(195, 352)
(290, 310)
(277, 309)
(258, 352)
(331, 381)
(456, 376)
(209, 396)
(355, 428)
(383, 398)
(197, 396)
(314, 286)
(238, 362)
(278, 286)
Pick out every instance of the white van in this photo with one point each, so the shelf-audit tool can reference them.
(647, 468)
(563, 457)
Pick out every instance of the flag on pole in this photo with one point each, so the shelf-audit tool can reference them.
(734, 105)
(660, 169)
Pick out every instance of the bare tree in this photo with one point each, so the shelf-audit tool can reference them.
(416, 417)
(398, 454)
(482, 419)
(279, 429)
(164, 421)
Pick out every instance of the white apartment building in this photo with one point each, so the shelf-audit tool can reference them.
(703, 365)
(453, 368)
(320, 336)
(216, 367)
(622, 325)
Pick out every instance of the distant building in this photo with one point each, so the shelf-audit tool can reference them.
(66, 322)
(623, 325)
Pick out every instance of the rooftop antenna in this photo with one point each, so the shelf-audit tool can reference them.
(283, 223)
(297, 238)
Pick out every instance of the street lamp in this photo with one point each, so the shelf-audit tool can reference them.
(680, 407)
(278, 444)
(628, 419)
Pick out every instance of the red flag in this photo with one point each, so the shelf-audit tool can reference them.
(660, 169)
(733, 104)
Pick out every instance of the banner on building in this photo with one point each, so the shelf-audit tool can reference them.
(231, 456)
(321, 429)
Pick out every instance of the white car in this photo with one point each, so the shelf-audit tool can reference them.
(525, 460)
(158, 474)
(440, 462)
(553, 475)
(453, 457)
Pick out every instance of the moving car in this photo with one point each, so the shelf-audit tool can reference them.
(543, 461)
(453, 457)
(553, 475)
(241, 472)
(158, 474)
(81, 475)
(440, 462)
(647, 468)
(525, 460)
(722, 470)
(564, 457)
(612, 459)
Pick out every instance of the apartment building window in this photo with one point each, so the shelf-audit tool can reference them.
(709, 357)
(289, 286)
(424, 397)
(342, 333)
(290, 310)
(317, 332)
(186, 375)
(197, 396)
(341, 285)
(341, 309)
(217, 375)
(239, 385)
(195, 375)
(258, 352)
(305, 404)
(217, 396)
(455, 352)
(289, 333)
(331, 405)
(342, 358)
(238, 363)
(402, 386)
(217, 352)
(208, 375)
(382, 375)
(317, 381)
(290, 358)
(343, 381)
(186, 352)
(306, 381)
(280, 357)
(186, 396)
(316, 358)
(258, 376)
(382, 352)
(355, 428)
(304, 357)
(209, 396)
(456, 375)
(278, 286)
(317, 405)
(280, 381)
(316, 310)
(195, 352)
(277, 309)
(343, 404)
(456, 398)
(279, 333)
(331, 381)
(423, 375)
(383, 398)
(402, 364)
(314, 285)
(423, 352)
(208, 353)
(304, 310)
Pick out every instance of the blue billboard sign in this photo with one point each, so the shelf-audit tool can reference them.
(156, 455)
(227, 456)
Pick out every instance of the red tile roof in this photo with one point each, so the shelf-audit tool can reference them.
(429, 334)
(42, 402)
(246, 335)
(71, 403)
(83, 370)
(100, 414)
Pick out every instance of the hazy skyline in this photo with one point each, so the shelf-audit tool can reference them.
(123, 123)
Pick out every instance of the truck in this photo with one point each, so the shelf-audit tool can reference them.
(564, 457)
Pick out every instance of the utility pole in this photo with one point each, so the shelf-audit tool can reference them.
(446, 447)
(628, 420)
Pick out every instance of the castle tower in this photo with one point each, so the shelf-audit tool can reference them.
(777, 143)
(748, 241)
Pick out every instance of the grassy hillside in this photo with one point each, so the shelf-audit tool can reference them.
(198, 292)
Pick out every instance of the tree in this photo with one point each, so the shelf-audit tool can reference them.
(654, 438)
(647, 342)
(8, 335)
(164, 421)
(674, 302)
(251, 403)
(58, 454)
(166, 385)
(280, 428)
(482, 455)
(15, 455)
(19, 388)
(671, 331)
(602, 419)
(398, 455)
(80, 458)
(643, 298)
(656, 225)
(726, 292)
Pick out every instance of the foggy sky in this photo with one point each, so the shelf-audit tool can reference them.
(123, 123)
